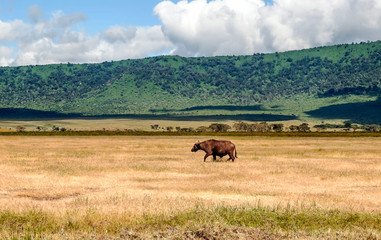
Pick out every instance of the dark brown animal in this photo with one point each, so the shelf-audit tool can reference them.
(216, 148)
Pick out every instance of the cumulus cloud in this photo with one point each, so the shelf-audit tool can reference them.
(300, 24)
(13, 31)
(119, 34)
(134, 42)
(220, 27)
(57, 40)
(5, 56)
(115, 43)
(67, 21)
(214, 28)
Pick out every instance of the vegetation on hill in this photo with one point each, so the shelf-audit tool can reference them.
(187, 85)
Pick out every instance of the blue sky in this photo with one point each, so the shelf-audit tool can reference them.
(53, 31)
(101, 14)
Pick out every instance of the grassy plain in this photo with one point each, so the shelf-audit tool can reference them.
(154, 187)
(99, 124)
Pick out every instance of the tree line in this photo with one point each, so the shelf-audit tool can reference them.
(239, 126)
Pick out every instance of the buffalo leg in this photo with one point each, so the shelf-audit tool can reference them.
(206, 155)
(231, 156)
(214, 157)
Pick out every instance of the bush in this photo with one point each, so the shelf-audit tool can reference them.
(257, 127)
(301, 128)
(372, 128)
(277, 127)
(203, 129)
(20, 129)
(219, 127)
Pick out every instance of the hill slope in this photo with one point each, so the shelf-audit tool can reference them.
(296, 82)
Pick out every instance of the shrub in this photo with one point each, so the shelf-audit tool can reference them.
(20, 129)
(219, 127)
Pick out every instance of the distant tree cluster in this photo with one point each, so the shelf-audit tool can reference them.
(240, 126)
(219, 127)
(258, 127)
(300, 128)
(214, 127)
(348, 127)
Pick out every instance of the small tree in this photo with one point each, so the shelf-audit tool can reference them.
(155, 127)
(203, 129)
(348, 125)
(186, 129)
(277, 127)
(372, 128)
(20, 129)
(355, 127)
(219, 127)
(259, 127)
(241, 126)
(304, 127)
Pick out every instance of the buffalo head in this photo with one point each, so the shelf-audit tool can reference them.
(195, 147)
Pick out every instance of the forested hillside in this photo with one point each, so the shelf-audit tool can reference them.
(168, 83)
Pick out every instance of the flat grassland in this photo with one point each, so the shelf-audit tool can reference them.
(154, 187)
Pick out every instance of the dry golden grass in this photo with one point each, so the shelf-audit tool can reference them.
(114, 124)
(5, 130)
(133, 176)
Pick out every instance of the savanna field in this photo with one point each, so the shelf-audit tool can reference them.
(99, 113)
(125, 187)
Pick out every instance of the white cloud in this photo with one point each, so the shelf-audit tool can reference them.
(120, 42)
(116, 43)
(214, 28)
(12, 31)
(57, 40)
(221, 27)
(119, 34)
(301, 24)
(67, 21)
(5, 56)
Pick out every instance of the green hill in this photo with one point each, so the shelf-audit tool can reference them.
(308, 84)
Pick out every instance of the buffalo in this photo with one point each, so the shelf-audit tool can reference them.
(216, 148)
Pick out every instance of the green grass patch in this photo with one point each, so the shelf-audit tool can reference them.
(305, 220)
(300, 222)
